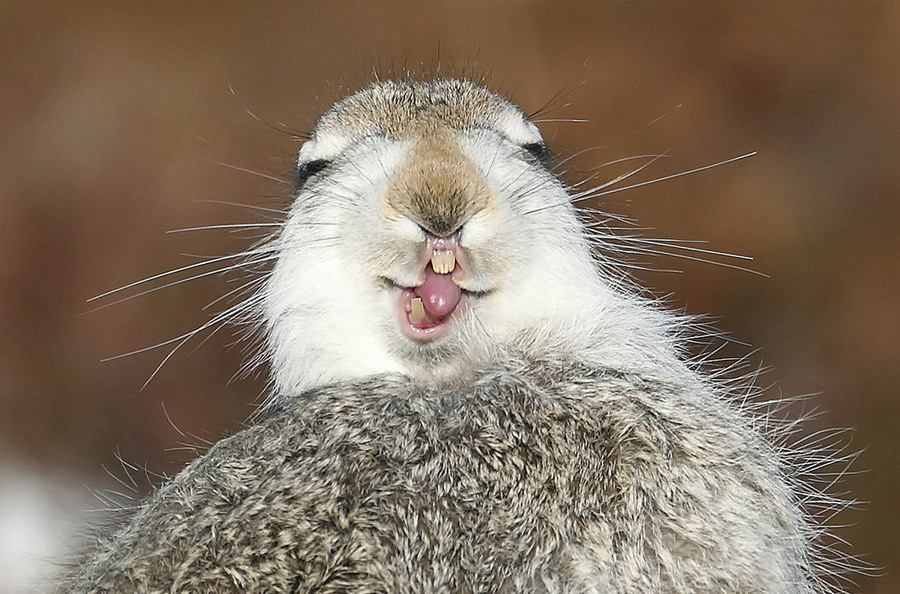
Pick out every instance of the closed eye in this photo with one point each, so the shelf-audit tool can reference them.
(539, 152)
(307, 170)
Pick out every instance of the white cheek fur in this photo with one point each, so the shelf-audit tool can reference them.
(324, 311)
(330, 318)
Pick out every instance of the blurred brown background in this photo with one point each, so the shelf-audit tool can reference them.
(116, 116)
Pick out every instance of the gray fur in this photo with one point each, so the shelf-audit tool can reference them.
(578, 453)
(570, 480)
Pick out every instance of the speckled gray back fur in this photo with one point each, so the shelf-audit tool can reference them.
(576, 481)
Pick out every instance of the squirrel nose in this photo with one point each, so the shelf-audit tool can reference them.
(438, 185)
(443, 221)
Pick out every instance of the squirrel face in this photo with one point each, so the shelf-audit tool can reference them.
(426, 228)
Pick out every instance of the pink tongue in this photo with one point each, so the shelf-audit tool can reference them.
(439, 293)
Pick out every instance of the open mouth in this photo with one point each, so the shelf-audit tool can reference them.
(425, 311)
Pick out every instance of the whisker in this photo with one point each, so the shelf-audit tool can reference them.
(171, 422)
(631, 223)
(228, 226)
(581, 182)
(654, 157)
(179, 341)
(180, 281)
(248, 285)
(148, 348)
(645, 250)
(663, 116)
(590, 194)
(279, 180)
(608, 164)
(648, 268)
(560, 120)
(164, 361)
(674, 244)
(215, 260)
(241, 205)
(238, 308)
(619, 178)
(668, 177)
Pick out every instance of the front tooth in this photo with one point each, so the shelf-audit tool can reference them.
(417, 311)
(443, 261)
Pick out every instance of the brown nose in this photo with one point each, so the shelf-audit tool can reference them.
(437, 185)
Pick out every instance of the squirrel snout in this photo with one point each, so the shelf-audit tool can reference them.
(438, 186)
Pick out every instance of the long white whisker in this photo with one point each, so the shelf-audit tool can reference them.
(561, 120)
(215, 260)
(224, 269)
(645, 250)
(250, 206)
(165, 360)
(236, 309)
(594, 193)
(619, 178)
(228, 226)
(252, 172)
(231, 293)
(654, 157)
(633, 266)
(149, 348)
(675, 244)
(578, 154)
(179, 341)
(666, 177)
(219, 317)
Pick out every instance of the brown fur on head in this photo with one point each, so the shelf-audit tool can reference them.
(438, 185)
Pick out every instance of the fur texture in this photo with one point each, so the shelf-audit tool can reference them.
(552, 438)
(575, 480)
(406, 159)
